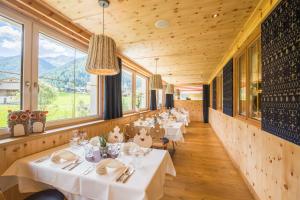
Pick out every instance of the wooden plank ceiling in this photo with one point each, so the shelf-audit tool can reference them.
(190, 48)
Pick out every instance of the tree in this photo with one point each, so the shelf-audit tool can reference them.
(47, 95)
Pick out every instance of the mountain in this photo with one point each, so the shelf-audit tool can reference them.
(59, 60)
(58, 75)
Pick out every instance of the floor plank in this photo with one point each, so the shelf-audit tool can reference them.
(204, 170)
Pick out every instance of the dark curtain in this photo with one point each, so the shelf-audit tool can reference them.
(113, 95)
(153, 100)
(205, 103)
(228, 88)
(169, 101)
(214, 94)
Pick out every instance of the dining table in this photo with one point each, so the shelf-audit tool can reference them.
(37, 172)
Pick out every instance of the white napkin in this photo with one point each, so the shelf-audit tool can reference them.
(63, 156)
(101, 168)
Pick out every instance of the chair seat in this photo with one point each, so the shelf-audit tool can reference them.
(50, 194)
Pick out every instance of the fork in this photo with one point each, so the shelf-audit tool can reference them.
(70, 164)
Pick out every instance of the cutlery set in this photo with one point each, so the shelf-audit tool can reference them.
(72, 165)
(125, 175)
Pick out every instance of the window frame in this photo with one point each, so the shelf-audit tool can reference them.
(31, 30)
(134, 75)
(55, 35)
(124, 67)
(147, 93)
(254, 38)
(26, 57)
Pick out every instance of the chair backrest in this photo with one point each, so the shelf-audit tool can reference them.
(157, 133)
(143, 138)
(130, 131)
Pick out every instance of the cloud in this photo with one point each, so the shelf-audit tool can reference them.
(49, 48)
(11, 44)
(10, 32)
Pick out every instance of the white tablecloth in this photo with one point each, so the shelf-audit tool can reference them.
(174, 131)
(146, 183)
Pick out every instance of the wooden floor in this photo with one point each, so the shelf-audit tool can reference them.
(204, 170)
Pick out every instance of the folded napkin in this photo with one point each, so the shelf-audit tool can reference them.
(63, 156)
(95, 141)
(131, 148)
(101, 168)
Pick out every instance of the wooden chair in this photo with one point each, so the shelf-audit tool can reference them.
(130, 131)
(158, 138)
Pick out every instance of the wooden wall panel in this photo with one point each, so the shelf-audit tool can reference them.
(195, 108)
(269, 164)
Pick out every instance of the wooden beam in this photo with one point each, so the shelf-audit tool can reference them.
(263, 9)
(46, 15)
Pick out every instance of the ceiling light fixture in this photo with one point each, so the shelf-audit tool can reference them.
(215, 15)
(156, 80)
(161, 24)
(102, 59)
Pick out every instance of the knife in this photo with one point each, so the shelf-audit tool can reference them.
(128, 175)
(75, 165)
(122, 174)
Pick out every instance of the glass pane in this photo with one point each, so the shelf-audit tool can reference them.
(160, 97)
(141, 92)
(86, 88)
(11, 42)
(126, 90)
(56, 78)
(255, 81)
(242, 85)
(66, 89)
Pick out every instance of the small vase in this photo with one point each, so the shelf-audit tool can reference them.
(103, 151)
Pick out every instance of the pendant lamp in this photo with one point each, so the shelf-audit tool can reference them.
(102, 59)
(170, 89)
(155, 80)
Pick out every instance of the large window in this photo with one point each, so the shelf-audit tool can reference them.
(255, 80)
(66, 90)
(160, 98)
(126, 90)
(11, 42)
(249, 78)
(242, 85)
(141, 92)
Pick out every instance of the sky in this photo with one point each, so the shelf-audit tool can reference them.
(11, 42)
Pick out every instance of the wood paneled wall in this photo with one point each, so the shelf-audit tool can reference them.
(194, 107)
(269, 164)
(13, 150)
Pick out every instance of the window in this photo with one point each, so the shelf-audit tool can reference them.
(249, 78)
(159, 98)
(126, 90)
(242, 85)
(66, 90)
(11, 62)
(220, 91)
(141, 92)
(255, 80)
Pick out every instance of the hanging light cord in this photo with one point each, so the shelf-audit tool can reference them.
(103, 20)
(156, 67)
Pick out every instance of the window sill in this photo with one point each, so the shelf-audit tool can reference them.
(16, 140)
(249, 121)
(7, 140)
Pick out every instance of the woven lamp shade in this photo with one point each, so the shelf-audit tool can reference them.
(102, 59)
(170, 89)
(156, 82)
